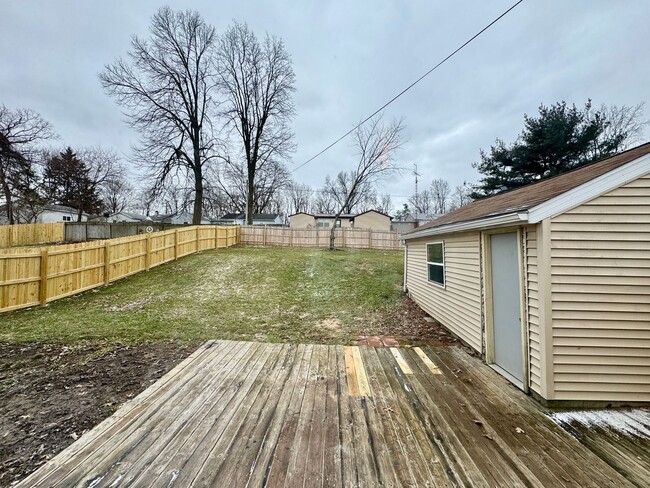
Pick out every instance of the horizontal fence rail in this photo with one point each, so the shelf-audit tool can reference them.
(27, 234)
(320, 237)
(36, 276)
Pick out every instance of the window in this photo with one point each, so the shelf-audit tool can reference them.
(338, 222)
(323, 223)
(436, 263)
(67, 218)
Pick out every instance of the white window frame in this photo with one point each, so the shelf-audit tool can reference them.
(444, 274)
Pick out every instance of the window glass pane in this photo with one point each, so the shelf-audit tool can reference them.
(434, 253)
(436, 274)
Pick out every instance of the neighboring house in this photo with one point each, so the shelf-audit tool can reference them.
(550, 282)
(60, 213)
(419, 218)
(239, 218)
(128, 217)
(371, 219)
(49, 213)
(181, 218)
(401, 226)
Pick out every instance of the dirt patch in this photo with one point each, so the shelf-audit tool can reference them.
(333, 325)
(51, 394)
(412, 325)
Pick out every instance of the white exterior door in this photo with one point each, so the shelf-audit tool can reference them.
(506, 309)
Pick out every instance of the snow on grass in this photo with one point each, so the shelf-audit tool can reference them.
(628, 422)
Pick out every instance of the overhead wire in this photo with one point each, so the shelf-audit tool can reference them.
(448, 57)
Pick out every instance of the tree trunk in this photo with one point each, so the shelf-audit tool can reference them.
(249, 202)
(333, 231)
(198, 188)
(8, 200)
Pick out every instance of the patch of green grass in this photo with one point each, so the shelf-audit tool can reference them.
(264, 294)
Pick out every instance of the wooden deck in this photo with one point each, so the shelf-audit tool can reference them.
(247, 414)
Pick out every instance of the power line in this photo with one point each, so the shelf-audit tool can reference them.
(408, 87)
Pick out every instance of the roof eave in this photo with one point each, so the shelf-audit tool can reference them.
(513, 218)
(591, 189)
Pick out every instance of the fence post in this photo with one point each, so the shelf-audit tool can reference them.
(238, 235)
(43, 289)
(107, 262)
(290, 236)
(175, 243)
(216, 236)
(369, 238)
(10, 236)
(264, 237)
(343, 232)
(147, 255)
(198, 238)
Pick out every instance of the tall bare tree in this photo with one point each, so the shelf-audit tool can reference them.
(324, 203)
(298, 196)
(376, 143)
(385, 204)
(345, 191)
(258, 81)
(461, 196)
(166, 86)
(117, 193)
(440, 194)
(422, 202)
(271, 180)
(20, 131)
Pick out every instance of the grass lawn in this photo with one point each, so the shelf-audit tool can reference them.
(262, 294)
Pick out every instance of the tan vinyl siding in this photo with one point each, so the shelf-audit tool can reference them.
(600, 284)
(302, 221)
(458, 305)
(532, 307)
(372, 220)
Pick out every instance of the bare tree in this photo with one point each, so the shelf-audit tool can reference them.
(422, 202)
(324, 203)
(461, 196)
(440, 193)
(345, 192)
(385, 204)
(20, 131)
(258, 81)
(376, 144)
(298, 196)
(271, 180)
(167, 88)
(117, 193)
(625, 123)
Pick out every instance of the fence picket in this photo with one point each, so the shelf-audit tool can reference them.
(33, 276)
(315, 237)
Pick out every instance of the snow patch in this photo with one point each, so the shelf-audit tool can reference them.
(634, 422)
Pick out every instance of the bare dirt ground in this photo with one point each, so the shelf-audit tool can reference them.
(51, 394)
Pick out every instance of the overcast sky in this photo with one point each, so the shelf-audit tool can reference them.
(349, 58)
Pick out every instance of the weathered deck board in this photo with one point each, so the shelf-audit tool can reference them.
(247, 414)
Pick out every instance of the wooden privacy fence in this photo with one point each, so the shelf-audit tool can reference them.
(320, 237)
(26, 234)
(35, 276)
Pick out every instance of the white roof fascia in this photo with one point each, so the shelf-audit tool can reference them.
(590, 190)
(513, 218)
